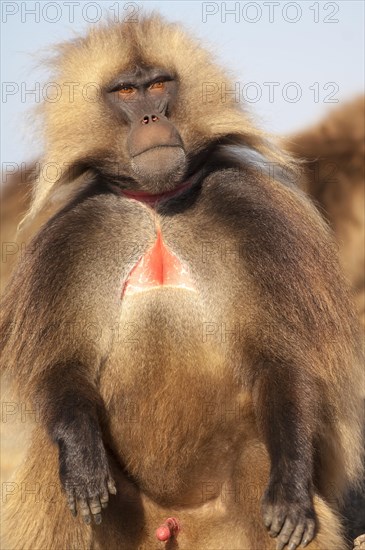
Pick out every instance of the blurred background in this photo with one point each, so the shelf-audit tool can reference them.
(290, 61)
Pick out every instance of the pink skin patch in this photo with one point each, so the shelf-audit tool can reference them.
(159, 266)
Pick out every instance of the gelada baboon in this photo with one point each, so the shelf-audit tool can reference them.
(180, 323)
(334, 152)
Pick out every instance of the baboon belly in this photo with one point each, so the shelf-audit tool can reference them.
(175, 408)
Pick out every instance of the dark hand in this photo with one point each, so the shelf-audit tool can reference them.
(86, 478)
(290, 518)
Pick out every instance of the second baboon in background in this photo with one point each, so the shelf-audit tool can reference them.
(333, 152)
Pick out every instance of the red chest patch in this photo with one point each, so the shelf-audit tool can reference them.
(159, 266)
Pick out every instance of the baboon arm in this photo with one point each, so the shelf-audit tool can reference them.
(65, 391)
(70, 407)
(285, 420)
(283, 409)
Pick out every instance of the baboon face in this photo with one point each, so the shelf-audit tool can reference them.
(143, 101)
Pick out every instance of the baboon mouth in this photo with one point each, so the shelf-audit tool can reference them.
(155, 147)
(160, 167)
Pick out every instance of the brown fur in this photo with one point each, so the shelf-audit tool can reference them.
(292, 347)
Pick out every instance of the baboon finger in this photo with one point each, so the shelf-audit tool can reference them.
(71, 501)
(296, 537)
(85, 511)
(95, 506)
(111, 486)
(104, 498)
(276, 524)
(309, 532)
(268, 515)
(285, 534)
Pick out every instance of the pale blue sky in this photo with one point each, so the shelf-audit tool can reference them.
(317, 46)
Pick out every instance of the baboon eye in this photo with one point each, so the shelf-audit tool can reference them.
(160, 85)
(126, 90)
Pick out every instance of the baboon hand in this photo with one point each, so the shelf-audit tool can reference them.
(291, 520)
(86, 479)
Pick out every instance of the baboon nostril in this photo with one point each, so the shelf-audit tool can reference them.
(149, 118)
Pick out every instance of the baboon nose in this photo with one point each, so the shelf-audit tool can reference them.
(149, 118)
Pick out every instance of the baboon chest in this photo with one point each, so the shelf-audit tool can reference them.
(178, 351)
